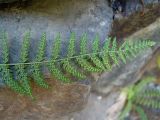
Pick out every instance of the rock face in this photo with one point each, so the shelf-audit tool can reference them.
(56, 16)
(63, 102)
(52, 17)
(50, 104)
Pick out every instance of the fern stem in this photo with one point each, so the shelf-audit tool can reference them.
(58, 60)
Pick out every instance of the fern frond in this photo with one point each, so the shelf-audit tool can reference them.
(5, 70)
(149, 97)
(52, 65)
(105, 55)
(83, 44)
(25, 48)
(66, 63)
(131, 52)
(142, 84)
(113, 53)
(57, 47)
(149, 93)
(36, 68)
(82, 61)
(8, 80)
(94, 58)
(137, 98)
(121, 54)
(22, 75)
(72, 64)
(71, 46)
(148, 102)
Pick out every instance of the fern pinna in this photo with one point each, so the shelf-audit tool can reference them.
(72, 65)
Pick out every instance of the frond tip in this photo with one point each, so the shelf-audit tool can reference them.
(75, 64)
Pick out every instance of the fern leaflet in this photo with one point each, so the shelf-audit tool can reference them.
(83, 61)
(52, 67)
(66, 64)
(5, 70)
(22, 75)
(36, 68)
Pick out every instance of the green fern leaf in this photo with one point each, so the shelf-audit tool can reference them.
(105, 56)
(8, 80)
(130, 51)
(67, 65)
(25, 48)
(148, 102)
(71, 46)
(5, 70)
(94, 58)
(151, 93)
(90, 62)
(36, 68)
(57, 47)
(82, 60)
(113, 52)
(52, 65)
(121, 54)
(20, 68)
(83, 44)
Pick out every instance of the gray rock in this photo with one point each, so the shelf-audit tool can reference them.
(52, 17)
